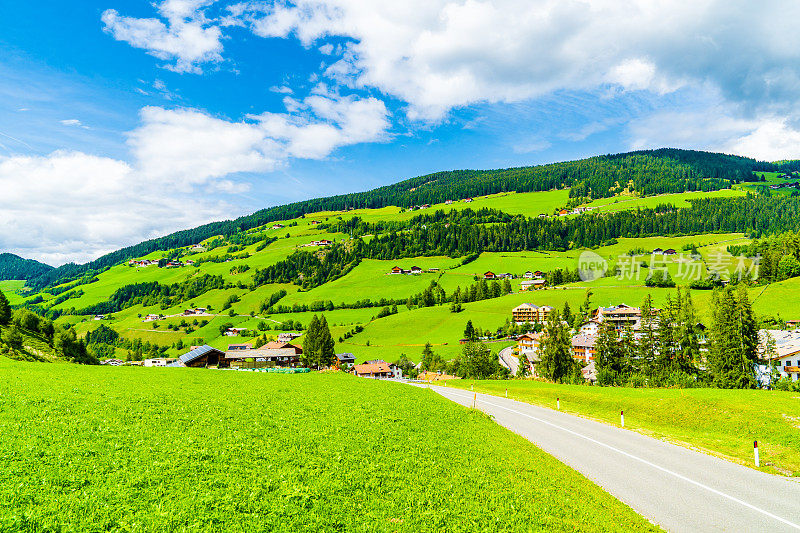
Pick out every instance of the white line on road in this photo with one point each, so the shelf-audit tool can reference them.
(645, 461)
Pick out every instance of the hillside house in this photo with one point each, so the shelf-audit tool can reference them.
(150, 318)
(315, 222)
(448, 202)
(416, 270)
(467, 200)
(233, 332)
(658, 251)
(240, 347)
(528, 275)
(278, 226)
(99, 317)
(281, 345)
(197, 248)
(531, 313)
(112, 362)
(373, 369)
(542, 215)
(620, 316)
(534, 284)
(288, 336)
(670, 251)
(590, 327)
(538, 274)
(787, 348)
(432, 270)
(528, 343)
(563, 212)
(489, 275)
(323, 242)
(396, 270)
(198, 311)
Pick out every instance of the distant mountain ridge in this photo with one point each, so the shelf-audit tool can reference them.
(15, 267)
(648, 172)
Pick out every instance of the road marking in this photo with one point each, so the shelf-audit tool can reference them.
(645, 461)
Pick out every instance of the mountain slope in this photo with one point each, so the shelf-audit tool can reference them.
(15, 267)
(646, 172)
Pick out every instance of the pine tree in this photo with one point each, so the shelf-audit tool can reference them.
(326, 344)
(556, 362)
(5, 310)
(688, 353)
(469, 331)
(566, 314)
(734, 340)
(647, 342)
(608, 355)
(311, 345)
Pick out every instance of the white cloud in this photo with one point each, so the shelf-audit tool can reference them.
(71, 206)
(187, 38)
(440, 54)
(73, 122)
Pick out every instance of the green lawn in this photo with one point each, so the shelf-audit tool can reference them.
(141, 449)
(621, 203)
(723, 422)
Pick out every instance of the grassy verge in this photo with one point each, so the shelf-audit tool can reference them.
(135, 449)
(723, 422)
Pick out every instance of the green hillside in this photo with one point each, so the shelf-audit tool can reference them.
(268, 278)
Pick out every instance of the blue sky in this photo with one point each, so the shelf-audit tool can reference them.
(121, 120)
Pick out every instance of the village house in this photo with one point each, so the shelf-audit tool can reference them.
(542, 215)
(432, 270)
(489, 275)
(590, 327)
(233, 332)
(528, 275)
(240, 347)
(531, 313)
(583, 347)
(534, 284)
(467, 200)
(563, 212)
(112, 362)
(197, 248)
(396, 270)
(202, 357)
(448, 202)
(315, 222)
(620, 316)
(278, 226)
(323, 242)
(528, 343)
(272, 354)
(787, 351)
(160, 361)
(151, 317)
(288, 336)
(198, 311)
(670, 251)
(346, 360)
(658, 251)
(416, 270)
(373, 369)
(99, 317)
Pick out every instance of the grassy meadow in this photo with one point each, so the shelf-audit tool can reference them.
(722, 422)
(108, 449)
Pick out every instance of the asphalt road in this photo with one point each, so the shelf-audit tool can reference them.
(674, 487)
(508, 360)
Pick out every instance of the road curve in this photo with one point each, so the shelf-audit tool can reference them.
(508, 360)
(674, 487)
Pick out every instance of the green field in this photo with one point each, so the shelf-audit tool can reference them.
(619, 203)
(722, 422)
(110, 451)
(10, 288)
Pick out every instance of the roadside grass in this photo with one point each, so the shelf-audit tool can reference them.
(135, 449)
(723, 422)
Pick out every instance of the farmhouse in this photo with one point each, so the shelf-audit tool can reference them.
(530, 313)
(266, 356)
(373, 369)
(416, 270)
(278, 226)
(112, 362)
(787, 349)
(467, 200)
(150, 318)
(563, 212)
(534, 284)
(160, 361)
(590, 327)
(528, 275)
(198, 311)
(658, 251)
(396, 270)
(315, 222)
(670, 251)
(489, 275)
(288, 336)
(99, 317)
(346, 359)
(202, 357)
(233, 332)
(323, 242)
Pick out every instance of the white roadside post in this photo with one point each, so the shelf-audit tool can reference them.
(474, 400)
(622, 418)
(506, 392)
(558, 403)
(755, 453)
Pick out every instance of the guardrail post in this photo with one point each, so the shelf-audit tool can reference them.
(755, 453)
(622, 418)
(506, 392)
(558, 403)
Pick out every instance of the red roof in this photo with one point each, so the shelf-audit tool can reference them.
(381, 367)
